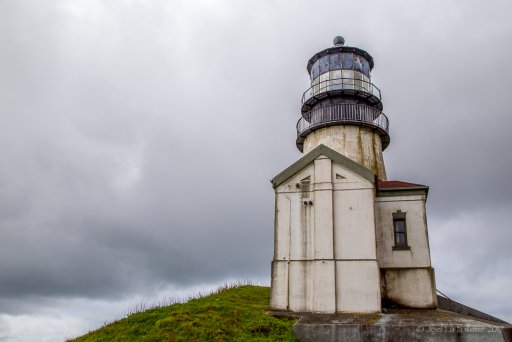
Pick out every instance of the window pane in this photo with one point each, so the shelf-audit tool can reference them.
(324, 82)
(358, 63)
(324, 77)
(400, 226)
(347, 60)
(347, 73)
(335, 61)
(366, 83)
(400, 232)
(366, 67)
(348, 79)
(324, 64)
(315, 83)
(315, 69)
(400, 239)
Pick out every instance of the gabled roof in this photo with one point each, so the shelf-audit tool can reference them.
(329, 153)
(399, 188)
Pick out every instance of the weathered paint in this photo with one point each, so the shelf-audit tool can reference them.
(408, 275)
(334, 238)
(325, 258)
(360, 144)
(416, 227)
(279, 289)
(353, 292)
(411, 287)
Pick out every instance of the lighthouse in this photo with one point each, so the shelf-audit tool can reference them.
(346, 239)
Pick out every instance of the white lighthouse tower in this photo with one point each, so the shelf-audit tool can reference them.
(346, 238)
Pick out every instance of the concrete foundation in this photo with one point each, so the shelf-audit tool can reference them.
(399, 325)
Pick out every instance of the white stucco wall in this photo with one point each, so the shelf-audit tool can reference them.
(324, 287)
(279, 288)
(292, 238)
(298, 284)
(416, 226)
(354, 224)
(354, 285)
(323, 206)
(408, 276)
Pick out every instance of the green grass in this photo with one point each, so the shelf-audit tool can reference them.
(230, 314)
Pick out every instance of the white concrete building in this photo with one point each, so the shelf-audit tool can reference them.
(346, 238)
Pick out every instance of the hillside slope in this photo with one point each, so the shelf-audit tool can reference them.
(232, 314)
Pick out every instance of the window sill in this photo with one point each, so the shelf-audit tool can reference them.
(401, 248)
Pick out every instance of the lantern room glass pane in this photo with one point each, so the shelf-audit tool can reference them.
(358, 80)
(324, 64)
(315, 69)
(366, 67)
(348, 79)
(334, 74)
(358, 63)
(324, 81)
(347, 60)
(335, 61)
(335, 80)
(366, 83)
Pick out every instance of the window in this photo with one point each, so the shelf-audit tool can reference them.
(358, 77)
(347, 79)
(400, 231)
(400, 238)
(324, 81)
(335, 80)
(340, 79)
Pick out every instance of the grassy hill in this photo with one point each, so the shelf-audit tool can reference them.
(230, 314)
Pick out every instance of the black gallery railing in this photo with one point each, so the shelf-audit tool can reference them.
(343, 113)
(342, 84)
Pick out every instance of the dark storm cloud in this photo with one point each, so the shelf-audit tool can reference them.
(116, 176)
(137, 140)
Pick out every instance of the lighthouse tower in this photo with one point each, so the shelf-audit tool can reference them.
(347, 239)
(342, 109)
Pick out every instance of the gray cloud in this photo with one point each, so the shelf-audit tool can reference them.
(137, 139)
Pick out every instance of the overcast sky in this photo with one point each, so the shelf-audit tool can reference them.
(138, 138)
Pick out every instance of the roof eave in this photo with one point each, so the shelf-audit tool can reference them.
(329, 153)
